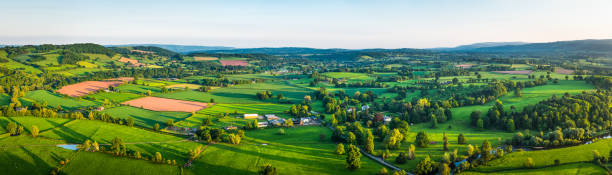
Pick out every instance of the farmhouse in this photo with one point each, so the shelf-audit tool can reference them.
(387, 119)
(297, 121)
(251, 116)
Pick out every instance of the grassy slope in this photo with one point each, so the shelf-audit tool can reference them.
(146, 118)
(138, 89)
(99, 163)
(17, 159)
(53, 100)
(574, 168)
(299, 151)
(582, 153)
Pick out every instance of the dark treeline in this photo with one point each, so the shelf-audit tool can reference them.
(158, 51)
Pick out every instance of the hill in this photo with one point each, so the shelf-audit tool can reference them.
(478, 45)
(592, 47)
(183, 49)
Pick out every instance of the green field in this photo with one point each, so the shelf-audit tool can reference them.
(114, 97)
(137, 89)
(27, 122)
(244, 93)
(348, 75)
(146, 118)
(299, 151)
(575, 154)
(99, 163)
(574, 168)
(16, 157)
(54, 100)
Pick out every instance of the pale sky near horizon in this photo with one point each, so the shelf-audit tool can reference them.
(312, 23)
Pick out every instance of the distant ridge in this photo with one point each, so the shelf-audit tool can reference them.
(479, 45)
(183, 49)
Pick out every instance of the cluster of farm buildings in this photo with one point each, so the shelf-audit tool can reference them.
(273, 120)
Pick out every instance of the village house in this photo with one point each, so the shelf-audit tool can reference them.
(277, 122)
(297, 122)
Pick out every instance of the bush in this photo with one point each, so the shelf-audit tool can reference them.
(401, 158)
(529, 163)
(557, 162)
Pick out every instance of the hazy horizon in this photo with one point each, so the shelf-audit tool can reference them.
(315, 24)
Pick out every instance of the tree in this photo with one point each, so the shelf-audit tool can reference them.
(517, 92)
(35, 131)
(130, 122)
(425, 166)
(351, 139)
(445, 139)
(87, 145)
(422, 140)
(474, 116)
(158, 158)
(383, 171)
(400, 172)
(510, 125)
(156, 127)
(170, 123)
(394, 141)
(337, 134)
(444, 169)
(353, 159)
(401, 158)
(95, 146)
(411, 152)
(12, 128)
(340, 149)
(486, 151)
(117, 147)
(499, 153)
(480, 124)
(470, 150)
(267, 169)
(369, 145)
(461, 139)
(434, 121)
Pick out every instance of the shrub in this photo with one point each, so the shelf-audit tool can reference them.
(529, 163)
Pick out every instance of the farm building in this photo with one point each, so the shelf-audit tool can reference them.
(262, 124)
(277, 122)
(271, 117)
(365, 107)
(231, 128)
(251, 116)
(297, 121)
(387, 119)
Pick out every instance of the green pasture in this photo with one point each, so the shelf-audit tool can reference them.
(137, 89)
(54, 100)
(299, 151)
(575, 154)
(565, 169)
(146, 118)
(114, 97)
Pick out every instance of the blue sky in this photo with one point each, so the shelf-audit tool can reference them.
(313, 23)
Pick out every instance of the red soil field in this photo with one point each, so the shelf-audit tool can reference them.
(128, 60)
(522, 72)
(233, 63)
(84, 88)
(563, 71)
(165, 104)
(464, 65)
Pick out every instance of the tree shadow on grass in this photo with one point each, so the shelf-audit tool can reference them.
(311, 164)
